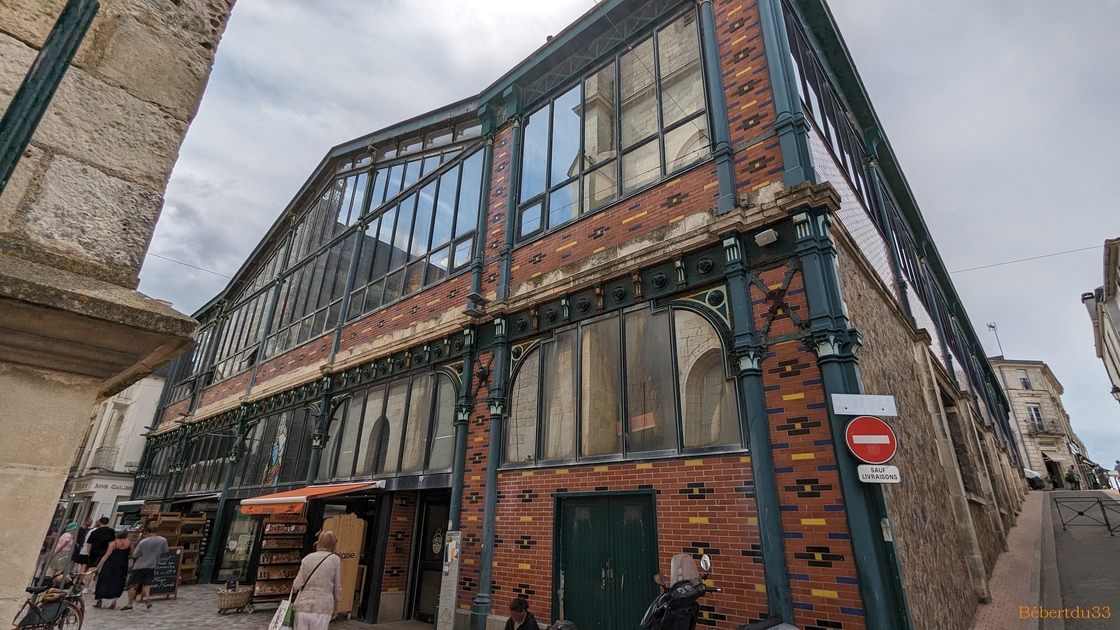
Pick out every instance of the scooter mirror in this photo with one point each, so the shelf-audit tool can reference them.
(660, 579)
(705, 563)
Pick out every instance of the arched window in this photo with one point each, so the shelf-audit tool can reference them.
(403, 426)
(639, 383)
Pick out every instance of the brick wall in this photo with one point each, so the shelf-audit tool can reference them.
(822, 572)
(750, 106)
(399, 548)
(702, 505)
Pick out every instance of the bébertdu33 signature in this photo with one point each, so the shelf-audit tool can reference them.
(1077, 612)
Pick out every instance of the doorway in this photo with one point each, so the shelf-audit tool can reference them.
(434, 510)
(606, 557)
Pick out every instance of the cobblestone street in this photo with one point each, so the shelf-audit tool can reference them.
(196, 609)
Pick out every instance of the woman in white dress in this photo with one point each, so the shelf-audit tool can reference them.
(318, 584)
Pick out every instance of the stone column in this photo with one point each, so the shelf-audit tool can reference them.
(75, 222)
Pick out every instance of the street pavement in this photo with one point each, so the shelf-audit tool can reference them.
(1050, 568)
(196, 608)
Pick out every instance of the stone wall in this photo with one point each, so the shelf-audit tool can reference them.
(75, 222)
(89, 188)
(930, 547)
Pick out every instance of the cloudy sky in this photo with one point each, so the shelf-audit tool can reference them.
(1002, 114)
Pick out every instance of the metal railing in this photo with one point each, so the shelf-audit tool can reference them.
(105, 457)
(1082, 512)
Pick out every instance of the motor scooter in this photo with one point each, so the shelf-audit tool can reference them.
(677, 607)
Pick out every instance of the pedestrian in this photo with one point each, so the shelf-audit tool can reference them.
(66, 540)
(146, 553)
(80, 553)
(318, 584)
(519, 616)
(99, 540)
(112, 569)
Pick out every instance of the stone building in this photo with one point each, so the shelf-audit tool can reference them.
(1047, 442)
(75, 220)
(104, 471)
(1104, 310)
(617, 287)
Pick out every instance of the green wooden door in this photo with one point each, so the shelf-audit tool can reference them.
(607, 557)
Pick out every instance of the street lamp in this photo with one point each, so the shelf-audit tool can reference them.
(1116, 393)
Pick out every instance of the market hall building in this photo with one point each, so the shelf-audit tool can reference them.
(595, 316)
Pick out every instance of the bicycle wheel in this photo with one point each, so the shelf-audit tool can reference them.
(71, 619)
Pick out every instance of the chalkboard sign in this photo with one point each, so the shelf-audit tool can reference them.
(165, 581)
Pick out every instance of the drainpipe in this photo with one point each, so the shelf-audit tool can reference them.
(749, 351)
(462, 414)
(880, 584)
(789, 121)
(717, 108)
(206, 569)
(481, 610)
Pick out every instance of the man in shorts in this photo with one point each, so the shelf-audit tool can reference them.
(147, 551)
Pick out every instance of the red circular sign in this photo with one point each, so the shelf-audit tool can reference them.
(871, 440)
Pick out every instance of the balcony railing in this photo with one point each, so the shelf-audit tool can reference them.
(105, 457)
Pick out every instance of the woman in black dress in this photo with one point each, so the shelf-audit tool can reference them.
(113, 570)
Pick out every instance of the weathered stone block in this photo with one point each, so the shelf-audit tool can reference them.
(93, 215)
(29, 20)
(102, 125)
(155, 65)
(15, 60)
(32, 162)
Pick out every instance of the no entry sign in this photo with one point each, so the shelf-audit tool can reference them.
(870, 440)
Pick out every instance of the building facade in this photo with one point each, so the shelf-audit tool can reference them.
(594, 316)
(105, 468)
(1104, 311)
(1047, 443)
(82, 176)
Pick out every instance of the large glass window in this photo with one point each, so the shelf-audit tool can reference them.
(420, 239)
(405, 425)
(633, 384)
(648, 101)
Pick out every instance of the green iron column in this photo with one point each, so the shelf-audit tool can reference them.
(835, 345)
(496, 399)
(789, 121)
(721, 133)
(462, 416)
(749, 350)
(319, 435)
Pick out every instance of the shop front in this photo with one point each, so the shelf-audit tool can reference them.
(384, 576)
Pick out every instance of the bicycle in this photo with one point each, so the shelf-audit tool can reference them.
(51, 608)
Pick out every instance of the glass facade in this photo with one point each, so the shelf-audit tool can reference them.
(630, 123)
(640, 383)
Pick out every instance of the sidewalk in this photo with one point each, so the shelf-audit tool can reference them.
(196, 609)
(1015, 580)
(1055, 566)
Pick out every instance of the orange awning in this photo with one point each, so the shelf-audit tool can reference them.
(293, 501)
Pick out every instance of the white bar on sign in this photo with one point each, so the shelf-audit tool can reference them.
(871, 439)
(863, 404)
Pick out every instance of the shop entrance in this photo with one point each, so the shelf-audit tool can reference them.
(606, 557)
(434, 510)
(356, 544)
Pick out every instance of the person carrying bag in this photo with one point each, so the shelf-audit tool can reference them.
(314, 593)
